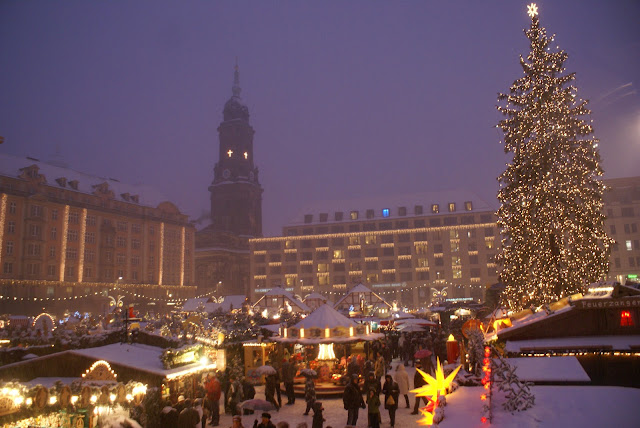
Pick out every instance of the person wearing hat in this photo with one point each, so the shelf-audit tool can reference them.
(237, 422)
(266, 421)
(189, 416)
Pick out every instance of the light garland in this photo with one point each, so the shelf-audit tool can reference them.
(83, 232)
(63, 250)
(3, 210)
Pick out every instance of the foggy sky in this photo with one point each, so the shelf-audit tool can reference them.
(347, 98)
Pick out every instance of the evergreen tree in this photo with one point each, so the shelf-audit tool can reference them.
(550, 216)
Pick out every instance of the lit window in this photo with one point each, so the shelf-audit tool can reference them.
(629, 246)
(435, 208)
(246, 155)
(468, 206)
(452, 207)
(385, 212)
(354, 215)
(625, 319)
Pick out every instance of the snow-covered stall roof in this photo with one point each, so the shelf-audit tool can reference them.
(140, 357)
(613, 343)
(192, 305)
(285, 295)
(323, 317)
(358, 290)
(551, 369)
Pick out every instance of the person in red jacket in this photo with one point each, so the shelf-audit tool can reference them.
(213, 389)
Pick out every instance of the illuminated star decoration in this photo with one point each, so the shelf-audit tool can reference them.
(532, 10)
(434, 387)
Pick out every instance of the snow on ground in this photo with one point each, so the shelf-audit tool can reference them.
(556, 406)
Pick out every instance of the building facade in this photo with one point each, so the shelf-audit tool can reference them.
(222, 248)
(407, 249)
(425, 248)
(622, 209)
(66, 235)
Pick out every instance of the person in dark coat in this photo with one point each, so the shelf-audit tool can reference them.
(373, 412)
(289, 369)
(309, 394)
(391, 392)
(370, 382)
(352, 400)
(272, 385)
(318, 419)
(189, 416)
(418, 381)
(168, 417)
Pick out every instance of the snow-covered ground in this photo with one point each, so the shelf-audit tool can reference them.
(556, 406)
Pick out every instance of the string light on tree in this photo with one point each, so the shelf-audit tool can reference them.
(550, 214)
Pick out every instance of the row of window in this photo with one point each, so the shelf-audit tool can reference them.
(628, 228)
(385, 212)
(372, 278)
(374, 239)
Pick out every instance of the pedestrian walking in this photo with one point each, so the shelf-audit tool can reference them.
(402, 379)
(391, 395)
(352, 400)
(309, 394)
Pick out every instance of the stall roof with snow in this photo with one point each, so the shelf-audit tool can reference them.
(278, 298)
(358, 298)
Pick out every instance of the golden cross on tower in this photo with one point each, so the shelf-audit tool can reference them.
(230, 152)
(532, 10)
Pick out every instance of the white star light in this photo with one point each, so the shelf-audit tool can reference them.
(532, 10)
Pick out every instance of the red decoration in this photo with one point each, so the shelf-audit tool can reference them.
(625, 319)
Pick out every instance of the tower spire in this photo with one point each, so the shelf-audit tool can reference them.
(235, 89)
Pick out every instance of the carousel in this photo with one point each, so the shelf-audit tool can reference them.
(317, 335)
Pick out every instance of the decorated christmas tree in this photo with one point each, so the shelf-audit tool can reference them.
(550, 217)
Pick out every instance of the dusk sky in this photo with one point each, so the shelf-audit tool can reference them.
(347, 98)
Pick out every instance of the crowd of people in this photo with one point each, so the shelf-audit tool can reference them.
(371, 383)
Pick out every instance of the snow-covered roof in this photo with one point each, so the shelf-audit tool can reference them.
(140, 357)
(281, 292)
(392, 203)
(323, 317)
(360, 288)
(614, 343)
(10, 167)
(193, 304)
(551, 369)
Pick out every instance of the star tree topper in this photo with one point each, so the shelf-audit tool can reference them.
(532, 10)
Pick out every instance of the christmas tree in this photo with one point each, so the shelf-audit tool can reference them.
(550, 216)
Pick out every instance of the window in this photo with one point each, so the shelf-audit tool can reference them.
(439, 261)
(135, 244)
(51, 270)
(468, 206)
(89, 255)
(338, 216)
(627, 229)
(90, 238)
(371, 265)
(435, 208)
(370, 214)
(473, 259)
(152, 230)
(35, 230)
(36, 211)
(634, 228)
(9, 248)
(338, 254)
(308, 218)
(404, 237)
(73, 217)
(417, 209)
(354, 253)
(628, 245)
(135, 261)
(33, 249)
(355, 266)
(324, 217)
(371, 252)
(457, 272)
(404, 251)
(455, 261)
(488, 244)
(452, 207)
(402, 211)
(122, 226)
(354, 240)
(354, 228)
(290, 257)
(354, 215)
(437, 248)
(323, 267)
(72, 235)
(72, 254)
(91, 220)
(11, 227)
(12, 207)
(136, 227)
(121, 241)
(388, 251)
(475, 272)
(455, 246)
(627, 212)
(52, 252)
(33, 269)
(338, 267)
(421, 248)
(372, 277)
(423, 262)
(385, 212)
(370, 239)
(8, 267)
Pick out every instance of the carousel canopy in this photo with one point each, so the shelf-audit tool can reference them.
(326, 325)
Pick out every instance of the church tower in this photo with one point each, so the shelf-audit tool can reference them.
(236, 194)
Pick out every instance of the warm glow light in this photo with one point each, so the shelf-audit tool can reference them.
(302, 333)
(326, 332)
(435, 385)
(230, 152)
(52, 399)
(532, 10)
(350, 331)
(326, 352)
